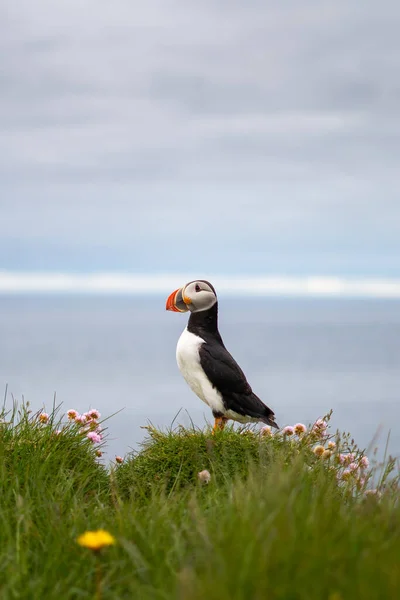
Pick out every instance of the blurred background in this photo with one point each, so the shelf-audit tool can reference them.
(253, 144)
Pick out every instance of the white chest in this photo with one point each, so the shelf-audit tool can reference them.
(188, 359)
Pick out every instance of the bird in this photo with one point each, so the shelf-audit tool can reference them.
(205, 363)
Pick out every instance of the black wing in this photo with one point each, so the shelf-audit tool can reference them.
(228, 378)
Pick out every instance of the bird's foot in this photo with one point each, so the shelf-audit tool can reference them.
(219, 423)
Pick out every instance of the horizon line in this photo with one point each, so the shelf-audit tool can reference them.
(120, 283)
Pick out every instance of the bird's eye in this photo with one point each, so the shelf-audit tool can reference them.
(197, 288)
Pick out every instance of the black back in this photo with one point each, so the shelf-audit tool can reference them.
(222, 370)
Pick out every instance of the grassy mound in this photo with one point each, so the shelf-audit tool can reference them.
(48, 474)
(35, 455)
(283, 516)
(171, 460)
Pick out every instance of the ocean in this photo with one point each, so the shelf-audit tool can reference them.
(303, 357)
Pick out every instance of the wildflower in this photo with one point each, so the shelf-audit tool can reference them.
(319, 450)
(346, 474)
(44, 417)
(96, 540)
(99, 453)
(346, 459)
(93, 414)
(72, 414)
(326, 454)
(299, 428)
(353, 466)
(94, 437)
(266, 430)
(319, 428)
(119, 459)
(361, 482)
(204, 476)
(364, 462)
(80, 420)
(288, 430)
(331, 445)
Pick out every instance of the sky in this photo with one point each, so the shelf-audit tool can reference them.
(248, 139)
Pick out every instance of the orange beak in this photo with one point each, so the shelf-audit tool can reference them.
(175, 302)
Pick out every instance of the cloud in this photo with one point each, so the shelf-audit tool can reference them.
(140, 91)
(271, 130)
(120, 283)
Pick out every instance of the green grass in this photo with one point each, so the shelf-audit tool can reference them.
(171, 460)
(276, 521)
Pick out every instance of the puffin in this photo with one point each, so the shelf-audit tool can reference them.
(207, 366)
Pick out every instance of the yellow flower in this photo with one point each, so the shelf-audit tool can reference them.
(96, 540)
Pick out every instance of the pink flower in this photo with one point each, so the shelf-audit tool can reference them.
(353, 466)
(72, 414)
(87, 417)
(94, 437)
(346, 474)
(80, 420)
(204, 476)
(266, 430)
(346, 459)
(119, 459)
(44, 417)
(299, 428)
(319, 428)
(288, 430)
(93, 414)
(364, 462)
